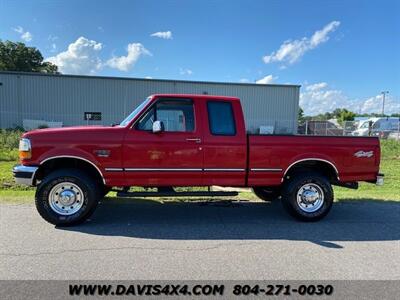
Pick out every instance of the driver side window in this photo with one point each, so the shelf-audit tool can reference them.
(177, 115)
(146, 122)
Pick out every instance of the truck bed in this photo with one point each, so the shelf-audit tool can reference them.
(274, 155)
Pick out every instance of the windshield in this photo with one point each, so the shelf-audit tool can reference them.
(133, 114)
(365, 125)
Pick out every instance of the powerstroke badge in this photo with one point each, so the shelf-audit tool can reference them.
(364, 154)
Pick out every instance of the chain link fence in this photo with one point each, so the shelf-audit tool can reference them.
(385, 128)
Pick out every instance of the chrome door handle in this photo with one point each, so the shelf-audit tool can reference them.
(197, 140)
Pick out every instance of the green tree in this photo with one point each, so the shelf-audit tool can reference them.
(19, 57)
(341, 114)
(345, 115)
(300, 115)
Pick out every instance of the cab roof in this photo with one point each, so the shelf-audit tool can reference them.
(196, 96)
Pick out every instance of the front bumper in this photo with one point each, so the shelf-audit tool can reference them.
(379, 179)
(24, 174)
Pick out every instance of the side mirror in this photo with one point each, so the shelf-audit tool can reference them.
(158, 126)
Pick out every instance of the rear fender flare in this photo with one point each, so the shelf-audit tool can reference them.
(311, 159)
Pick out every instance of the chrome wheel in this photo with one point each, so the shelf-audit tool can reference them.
(310, 197)
(66, 198)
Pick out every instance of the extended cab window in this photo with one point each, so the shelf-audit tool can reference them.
(220, 116)
(176, 114)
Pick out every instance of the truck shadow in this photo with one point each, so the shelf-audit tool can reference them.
(356, 220)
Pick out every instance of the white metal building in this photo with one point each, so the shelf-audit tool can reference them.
(72, 100)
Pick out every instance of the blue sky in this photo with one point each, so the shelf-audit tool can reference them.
(343, 53)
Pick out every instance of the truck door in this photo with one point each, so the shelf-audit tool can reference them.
(225, 145)
(172, 157)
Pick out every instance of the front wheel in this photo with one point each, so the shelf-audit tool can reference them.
(67, 197)
(308, 196)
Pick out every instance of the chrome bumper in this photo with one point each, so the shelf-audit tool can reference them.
(379, 179)
(24, 174)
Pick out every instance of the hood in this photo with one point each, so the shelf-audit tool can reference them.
(63, 130)
(81, 133)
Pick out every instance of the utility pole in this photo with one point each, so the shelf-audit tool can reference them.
(383, 101)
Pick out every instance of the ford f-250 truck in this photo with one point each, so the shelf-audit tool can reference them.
(188, 140)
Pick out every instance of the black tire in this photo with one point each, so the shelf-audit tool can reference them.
(267, 193)
(165, 189)
(90, 190)
(105, 190)
(309, 179)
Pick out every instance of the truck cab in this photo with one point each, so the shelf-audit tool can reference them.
(186, 141)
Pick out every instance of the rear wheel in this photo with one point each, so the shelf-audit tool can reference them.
(308, 196)
(67, 197)
(267, 193)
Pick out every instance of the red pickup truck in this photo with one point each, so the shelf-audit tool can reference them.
(188, 140)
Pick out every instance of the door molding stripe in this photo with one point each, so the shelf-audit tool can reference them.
(223, 170)
(162, 170)
(173, 170)
(266, 169)
(114, 169)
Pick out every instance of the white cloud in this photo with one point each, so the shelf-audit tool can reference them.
(52, 38)
(316, 86)
(27, 36)
(18, 29)
(374, 104)
(53, 47)
(244, 80)
(319, 98)
(291, 51)
(267, 79)
(167, 35)
(148, 77)
(125, 63)
(185, 71)
(81, 57)
(321, 36)
(24, 35)
(316, 101)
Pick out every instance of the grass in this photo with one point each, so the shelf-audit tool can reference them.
(13, 196)
(389, 191)
(6, 177)
(9, 140)
(390, 166)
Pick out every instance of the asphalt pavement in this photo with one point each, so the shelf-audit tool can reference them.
(203, 241)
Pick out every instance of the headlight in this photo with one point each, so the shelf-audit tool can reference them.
(25, 149)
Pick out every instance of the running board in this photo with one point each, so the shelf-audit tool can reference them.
(177, 194)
